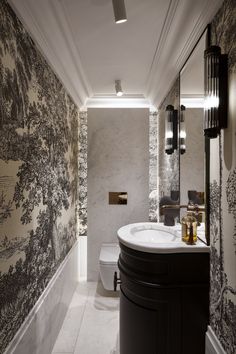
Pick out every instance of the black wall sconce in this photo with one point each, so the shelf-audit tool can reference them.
(182, 130)
(216, 91)
(171, 129)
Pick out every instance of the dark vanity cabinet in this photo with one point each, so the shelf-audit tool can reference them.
(163, 302)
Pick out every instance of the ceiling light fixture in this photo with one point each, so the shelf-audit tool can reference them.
(118, 88)
(119, 11)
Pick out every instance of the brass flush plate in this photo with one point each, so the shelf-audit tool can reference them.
(118, 198)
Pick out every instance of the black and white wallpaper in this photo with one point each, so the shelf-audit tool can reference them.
(38, 174)
(223, 195)
(153, 161)
(83, 172)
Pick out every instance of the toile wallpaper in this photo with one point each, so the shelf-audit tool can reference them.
(83, 172)
(168, 164)
(153, 161)
(38, 174)
(223, 195)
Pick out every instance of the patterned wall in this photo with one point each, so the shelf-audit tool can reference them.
(153, 161)
(223, 195)
(82, 179)
(168, 164)
(38, 174)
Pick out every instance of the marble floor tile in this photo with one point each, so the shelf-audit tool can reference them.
(69, 332)
(99, 331)
(92, 322)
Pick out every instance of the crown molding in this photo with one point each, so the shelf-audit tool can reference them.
(173, 4)
(74, 79)
(206, 16)
(168, 59)
(192, 101)
(112, 101)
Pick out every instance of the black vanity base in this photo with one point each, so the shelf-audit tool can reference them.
(164, 302)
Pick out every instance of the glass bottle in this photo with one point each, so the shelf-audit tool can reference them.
(189, 229)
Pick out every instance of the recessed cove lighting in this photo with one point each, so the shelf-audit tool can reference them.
(118, 88)
(119, 11)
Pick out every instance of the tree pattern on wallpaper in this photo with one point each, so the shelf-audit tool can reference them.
(222, 309)
(38, 129)
(153, 158)
(223, 300)
(223, 30)
(83, 170)
(231, 199)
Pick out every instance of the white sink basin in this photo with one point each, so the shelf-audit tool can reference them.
(157, 238)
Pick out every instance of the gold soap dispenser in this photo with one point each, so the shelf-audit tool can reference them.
(189, 229)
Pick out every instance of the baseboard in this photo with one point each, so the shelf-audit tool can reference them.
(213, 345)
(82, 258)
(40, 329)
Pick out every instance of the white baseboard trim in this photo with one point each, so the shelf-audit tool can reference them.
(213, 345)
(41, 327)
(82, 258)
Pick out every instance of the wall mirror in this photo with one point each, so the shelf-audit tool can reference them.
(192, 160)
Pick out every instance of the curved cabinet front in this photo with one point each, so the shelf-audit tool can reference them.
(163, 302)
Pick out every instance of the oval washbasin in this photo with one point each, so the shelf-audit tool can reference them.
(156, 238)
(156, 235)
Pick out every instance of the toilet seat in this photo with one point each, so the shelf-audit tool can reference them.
(108, 264)
(109, 254)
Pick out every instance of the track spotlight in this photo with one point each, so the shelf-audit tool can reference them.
(119, 11)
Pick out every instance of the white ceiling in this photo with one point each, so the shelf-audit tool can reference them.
(89, 51)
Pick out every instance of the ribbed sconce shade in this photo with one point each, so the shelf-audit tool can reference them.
(119, 11)
(215, 86)
(170, 130)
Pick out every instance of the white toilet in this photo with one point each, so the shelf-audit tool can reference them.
(108, 259)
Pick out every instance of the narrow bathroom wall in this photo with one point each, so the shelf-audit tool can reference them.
(118, 161)
(223, 195)
(38, 186)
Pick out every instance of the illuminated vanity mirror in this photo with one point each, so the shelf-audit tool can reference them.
(192, 140)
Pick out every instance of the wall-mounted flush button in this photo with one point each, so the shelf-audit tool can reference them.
(118, 198)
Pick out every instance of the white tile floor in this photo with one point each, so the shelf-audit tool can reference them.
(92, 322)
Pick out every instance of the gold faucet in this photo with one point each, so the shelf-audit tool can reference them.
(195, 208)
(189, 207)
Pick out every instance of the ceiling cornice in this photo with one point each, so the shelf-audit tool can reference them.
(112, 101)
(180, 32)
(74, 80)
(169, 59)
(160, 45)
(203, 20)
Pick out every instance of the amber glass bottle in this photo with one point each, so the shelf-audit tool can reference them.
(189, 229)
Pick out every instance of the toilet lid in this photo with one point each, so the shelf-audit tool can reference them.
(109, 253)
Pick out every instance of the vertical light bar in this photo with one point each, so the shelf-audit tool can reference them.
(182, 130)
(169, 132)
(212, 57)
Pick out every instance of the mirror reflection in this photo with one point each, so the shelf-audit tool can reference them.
(192, 163)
